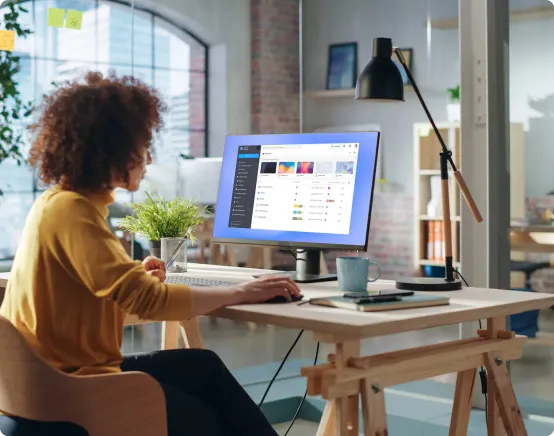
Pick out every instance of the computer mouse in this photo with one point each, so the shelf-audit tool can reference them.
(282, 299)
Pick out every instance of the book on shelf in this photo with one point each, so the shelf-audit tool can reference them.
(435, 241)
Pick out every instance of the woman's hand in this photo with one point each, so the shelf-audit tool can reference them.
(155, 267)
(267, 287)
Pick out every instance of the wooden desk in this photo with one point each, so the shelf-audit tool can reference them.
(348, 376)
(532, 239)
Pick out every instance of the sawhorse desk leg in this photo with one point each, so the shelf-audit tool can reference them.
(347, 376)
(190, 329)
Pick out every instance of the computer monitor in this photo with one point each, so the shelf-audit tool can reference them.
(303, 192)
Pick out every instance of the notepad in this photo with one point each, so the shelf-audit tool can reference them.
(74, 19)
(7, 40)
(56, 17)
(410, 302)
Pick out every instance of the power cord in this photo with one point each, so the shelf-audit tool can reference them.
(482, 371)
(277, 373)
(294, 254)
(304, 397)
(280, 367)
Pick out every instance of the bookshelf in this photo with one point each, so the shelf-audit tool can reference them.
(428, 244)
(338, 93)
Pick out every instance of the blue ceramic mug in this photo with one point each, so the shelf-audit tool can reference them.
(353, 273)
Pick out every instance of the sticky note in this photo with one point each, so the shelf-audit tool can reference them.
(74, 19)
(55, 17)
(7, 39)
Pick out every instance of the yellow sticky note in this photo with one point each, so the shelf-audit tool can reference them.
(7, 39)
(55, 17)
(74, 19)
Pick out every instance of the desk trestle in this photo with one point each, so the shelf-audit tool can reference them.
(343, 380)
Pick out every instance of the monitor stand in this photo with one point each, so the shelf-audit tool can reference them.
(307, 268)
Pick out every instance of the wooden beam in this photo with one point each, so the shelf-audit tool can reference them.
(527, 14)
(391, 370)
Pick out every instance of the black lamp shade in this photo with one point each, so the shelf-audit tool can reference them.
(380, 78)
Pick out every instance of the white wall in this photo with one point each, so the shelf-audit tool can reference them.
(531, 76)
(436, 67)
(225, 26)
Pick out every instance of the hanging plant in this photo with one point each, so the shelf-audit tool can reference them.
(13, 110)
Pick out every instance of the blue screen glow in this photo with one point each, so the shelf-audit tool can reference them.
(297, 190)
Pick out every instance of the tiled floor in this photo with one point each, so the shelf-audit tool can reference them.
(300, 428)
(240, 346)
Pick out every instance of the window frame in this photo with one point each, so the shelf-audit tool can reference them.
(35, 189)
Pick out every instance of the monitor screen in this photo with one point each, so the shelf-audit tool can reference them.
(310, 190)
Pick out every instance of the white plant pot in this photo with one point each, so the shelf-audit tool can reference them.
(453, 112)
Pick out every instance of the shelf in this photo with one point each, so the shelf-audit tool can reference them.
(425, 262)
(436, 218)
(329, 93)
(338, 93)
(537, 13)
(433, 173)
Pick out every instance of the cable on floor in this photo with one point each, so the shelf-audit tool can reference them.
(280, 367)
(304, 397)
(482, 371)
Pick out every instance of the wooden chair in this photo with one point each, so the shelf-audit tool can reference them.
(130, 403)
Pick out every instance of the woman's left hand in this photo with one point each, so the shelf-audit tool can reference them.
(155, 267)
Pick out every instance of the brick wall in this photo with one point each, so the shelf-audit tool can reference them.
(275, 66)
(197, 118)
(275, 109)
(391, 235)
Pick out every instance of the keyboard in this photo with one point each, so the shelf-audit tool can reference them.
(196, 281)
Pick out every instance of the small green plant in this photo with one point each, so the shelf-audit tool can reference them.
(454, 93)
(156, 218)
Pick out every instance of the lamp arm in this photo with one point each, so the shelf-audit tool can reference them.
(448, 153)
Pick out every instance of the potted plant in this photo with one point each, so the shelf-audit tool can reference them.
(157, 218)
(453, 108)
(13, 110)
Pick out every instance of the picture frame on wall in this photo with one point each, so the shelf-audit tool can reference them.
(342, 66)
(408, 54)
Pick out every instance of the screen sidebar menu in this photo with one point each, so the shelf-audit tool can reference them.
(244, 186)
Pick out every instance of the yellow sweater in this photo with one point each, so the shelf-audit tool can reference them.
(72, 282)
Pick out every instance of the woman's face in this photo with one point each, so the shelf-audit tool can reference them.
(136, 173)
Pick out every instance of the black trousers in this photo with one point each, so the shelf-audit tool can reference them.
(202, 399)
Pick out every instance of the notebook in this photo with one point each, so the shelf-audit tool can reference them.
(410, 302)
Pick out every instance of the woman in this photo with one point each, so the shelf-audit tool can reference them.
(72, 281)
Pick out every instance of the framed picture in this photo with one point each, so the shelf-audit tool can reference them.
(342, 66)
(407, 53)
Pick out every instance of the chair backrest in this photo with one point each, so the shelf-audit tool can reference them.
(22, 372)
(104, 405)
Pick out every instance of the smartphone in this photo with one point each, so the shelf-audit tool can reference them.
(382, 293)
(377, 299)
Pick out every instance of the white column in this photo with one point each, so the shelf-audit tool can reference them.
(484, 48)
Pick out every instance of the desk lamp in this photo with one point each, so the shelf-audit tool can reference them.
(381, 80)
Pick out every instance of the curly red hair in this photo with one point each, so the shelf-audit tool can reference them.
(93, 127)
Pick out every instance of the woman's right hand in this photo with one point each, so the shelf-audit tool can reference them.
(265, 288)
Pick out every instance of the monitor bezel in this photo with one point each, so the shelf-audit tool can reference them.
(307, 245)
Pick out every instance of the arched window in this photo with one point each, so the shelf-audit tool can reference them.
(115, 37)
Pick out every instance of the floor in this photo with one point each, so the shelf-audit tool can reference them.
(241, 345)
(300, 428)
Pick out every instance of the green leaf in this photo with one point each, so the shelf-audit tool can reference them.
(157, 218)
(13, 111)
